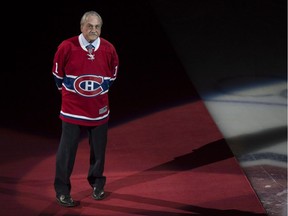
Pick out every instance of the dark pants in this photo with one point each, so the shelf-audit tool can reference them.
(66, 155)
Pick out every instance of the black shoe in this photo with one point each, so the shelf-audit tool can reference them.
(65, 200)
(98, 194)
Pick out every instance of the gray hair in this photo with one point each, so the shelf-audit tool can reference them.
(90, 13)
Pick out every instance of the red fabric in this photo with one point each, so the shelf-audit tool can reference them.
(171, 162)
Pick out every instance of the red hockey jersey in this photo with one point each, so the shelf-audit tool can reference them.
(84, 79)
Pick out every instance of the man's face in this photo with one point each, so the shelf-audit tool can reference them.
(91, 29)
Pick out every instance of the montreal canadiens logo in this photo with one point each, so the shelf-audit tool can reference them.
(88, 85)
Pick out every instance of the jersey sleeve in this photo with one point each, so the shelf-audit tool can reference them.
(114, 65)
(59, 63)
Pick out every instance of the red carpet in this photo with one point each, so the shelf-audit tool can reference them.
(170, 162)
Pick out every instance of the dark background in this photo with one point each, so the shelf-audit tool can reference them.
(150, 74)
